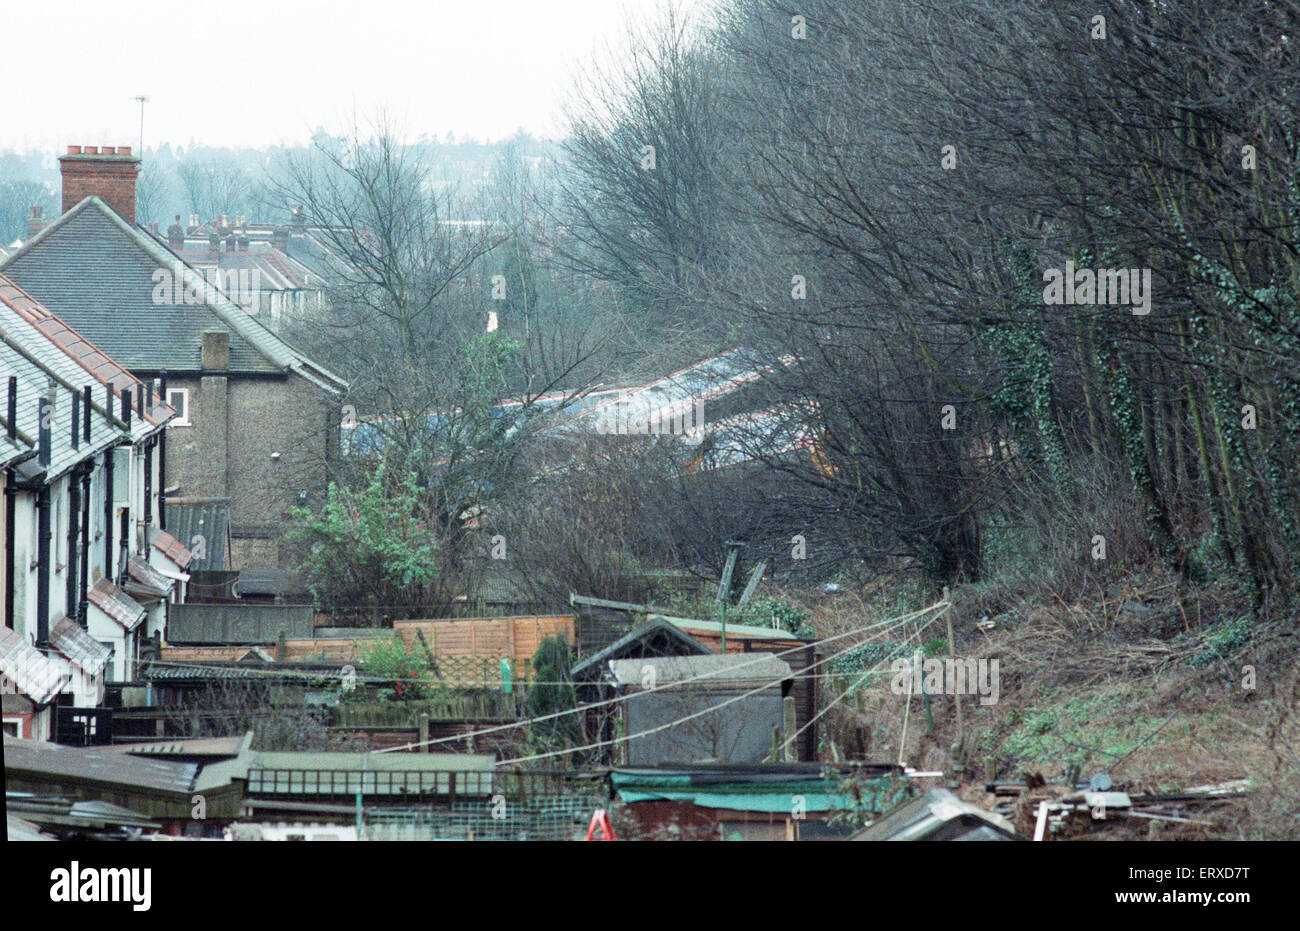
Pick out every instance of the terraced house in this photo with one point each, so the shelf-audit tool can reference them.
(88, 570)
(257, 422)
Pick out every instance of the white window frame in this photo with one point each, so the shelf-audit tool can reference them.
(183, 414)
(17, 722)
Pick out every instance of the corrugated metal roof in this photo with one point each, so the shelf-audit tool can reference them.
(207, 519)
(97, 764)
(79, 647)
(36, 675)
(17, 829)
(938, 814)
(703, 382)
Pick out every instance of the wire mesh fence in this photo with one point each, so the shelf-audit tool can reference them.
(547, 817)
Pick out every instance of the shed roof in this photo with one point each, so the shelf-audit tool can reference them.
(728, 671)
(738, 631)
(148, 581)
(656, 637)
(764, 787)
(97, 764)
(81, 649)
(116, 603)
(938, 814)
(172, 548)
(206, 518)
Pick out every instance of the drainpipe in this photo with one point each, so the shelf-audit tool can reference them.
(74, 527)
(108, 511)
(10, 503)
(148, 485)
(83, 600)
(88, 468)
(11, 496)
(162, 461)
(43, 413)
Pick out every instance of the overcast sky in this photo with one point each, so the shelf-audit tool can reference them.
(253, 72)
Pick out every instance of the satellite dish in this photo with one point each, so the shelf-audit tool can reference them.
(1099, 783)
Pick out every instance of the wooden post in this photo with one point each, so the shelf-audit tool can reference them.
(424, 732)
(776, 743)
(788, 725)
(280, 649)
(959, 763)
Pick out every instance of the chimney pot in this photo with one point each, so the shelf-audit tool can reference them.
(74, 150)
(91, 149)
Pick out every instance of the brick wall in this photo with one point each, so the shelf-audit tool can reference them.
(274, 445)
(110, 174)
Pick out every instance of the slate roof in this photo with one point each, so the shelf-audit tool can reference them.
(81, 649)
(116, 603)
(99, 273)
(276, 271)
(14, 450)
(36, 362)
(310, 246)
(36, 675)
(74, 357)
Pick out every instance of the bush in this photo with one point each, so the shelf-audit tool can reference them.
(405, 666)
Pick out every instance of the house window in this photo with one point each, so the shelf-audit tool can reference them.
(179, 400)
(13, 727)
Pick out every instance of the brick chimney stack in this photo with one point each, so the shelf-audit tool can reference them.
(110, 173)
(37, 221)
(176, 236)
